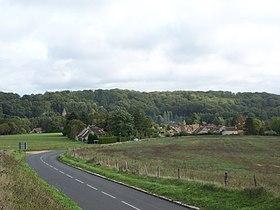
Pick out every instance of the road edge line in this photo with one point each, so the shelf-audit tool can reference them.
(132, 187)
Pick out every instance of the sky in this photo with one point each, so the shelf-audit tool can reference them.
(146, 45)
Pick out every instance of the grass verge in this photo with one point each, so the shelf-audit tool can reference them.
(203, 195)
(21, 188)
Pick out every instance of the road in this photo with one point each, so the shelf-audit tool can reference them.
(93, 192)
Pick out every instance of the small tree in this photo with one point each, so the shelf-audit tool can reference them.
(275, 125)
(257, 126)
(92, 138)
(249, 126)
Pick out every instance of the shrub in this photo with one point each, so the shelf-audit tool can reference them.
(108, 140)
(92, 138)
(254, 192)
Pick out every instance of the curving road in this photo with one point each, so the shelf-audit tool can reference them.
(92, 192)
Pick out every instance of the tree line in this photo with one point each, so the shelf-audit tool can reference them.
(140, 111)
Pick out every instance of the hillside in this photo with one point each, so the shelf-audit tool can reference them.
(160, 106)
(138, 111)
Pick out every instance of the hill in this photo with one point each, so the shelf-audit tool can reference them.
(45, 110)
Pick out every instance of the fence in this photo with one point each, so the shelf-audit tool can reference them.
(154, 169)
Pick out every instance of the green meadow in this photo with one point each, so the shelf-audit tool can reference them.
(36, 142)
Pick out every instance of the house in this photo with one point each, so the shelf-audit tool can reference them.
(218, 129)
(37, 130)
(190, 129)
(181, 128)
(230, 131)
(84, 134)
(205, 129)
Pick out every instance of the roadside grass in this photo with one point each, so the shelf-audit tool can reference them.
(205, 158)
(21, 188)
(44, 141)
(203, 195)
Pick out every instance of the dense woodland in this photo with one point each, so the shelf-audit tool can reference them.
(125, 112)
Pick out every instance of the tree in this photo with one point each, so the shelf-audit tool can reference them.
(73, 128)
(92, 138)
(275, 125)
(257, 126)
(239, 122)
(142, 123)
(99, 118)
(4, 129)
(120, 123)
(253, 126)
(49, 124)
(219, 121)
(249, 126)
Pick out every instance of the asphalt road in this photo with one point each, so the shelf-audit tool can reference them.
(93, 192)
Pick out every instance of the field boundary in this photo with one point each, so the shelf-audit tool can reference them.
(130, 186)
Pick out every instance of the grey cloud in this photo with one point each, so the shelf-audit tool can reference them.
(90, 44)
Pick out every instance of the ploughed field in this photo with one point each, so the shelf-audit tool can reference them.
(202, 158)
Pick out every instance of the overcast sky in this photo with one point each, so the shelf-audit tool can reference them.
(146, 45)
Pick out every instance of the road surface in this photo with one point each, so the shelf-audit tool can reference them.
(93, 192)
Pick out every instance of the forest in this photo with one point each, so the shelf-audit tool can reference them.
(139, 111)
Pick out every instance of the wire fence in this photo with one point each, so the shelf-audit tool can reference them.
(158, 169)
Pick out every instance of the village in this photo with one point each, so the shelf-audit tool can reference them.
(172, 130)
(167, 131)
(197, 129)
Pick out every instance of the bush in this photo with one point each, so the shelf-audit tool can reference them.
(270, 133)
(108, 140)
(112, 139)
(92, 138)
(254, 192)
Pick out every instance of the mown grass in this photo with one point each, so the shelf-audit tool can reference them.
(21, 188)
(206, 196)
(45, 141)
(204, 158)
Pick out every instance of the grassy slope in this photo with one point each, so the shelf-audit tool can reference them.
(46, 141)
(194, 193)
(21, 188)
(200, 158)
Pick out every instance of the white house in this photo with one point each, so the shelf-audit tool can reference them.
(230, 131)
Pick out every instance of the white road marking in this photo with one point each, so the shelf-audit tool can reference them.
(130, 205)
(69, 176)
(61, 172)
(91, 187)
(79, 181)
(41, 158)
(108, 194)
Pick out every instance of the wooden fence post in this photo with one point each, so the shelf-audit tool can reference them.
(226, 179)
(117, 165)
(255, 180)
(146, 170)
(158, 172)
(126, 166)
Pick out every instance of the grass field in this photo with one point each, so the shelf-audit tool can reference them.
(203, 195)
(204, 158)
(44, 141)
(21, 188)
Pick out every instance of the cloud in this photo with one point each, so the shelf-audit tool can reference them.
(143, 45)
